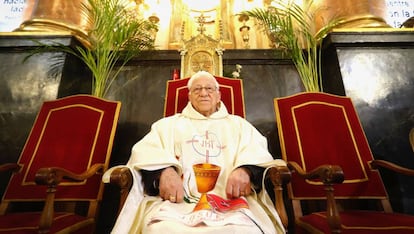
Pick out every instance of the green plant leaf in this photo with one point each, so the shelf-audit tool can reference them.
(116, 35)
(291, 28)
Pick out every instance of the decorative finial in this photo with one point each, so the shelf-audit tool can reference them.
(201, 21)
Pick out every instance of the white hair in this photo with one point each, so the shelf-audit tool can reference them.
(200, 74)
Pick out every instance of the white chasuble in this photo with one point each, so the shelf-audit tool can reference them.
(181, 141)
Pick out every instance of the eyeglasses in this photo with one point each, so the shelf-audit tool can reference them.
(208, 89)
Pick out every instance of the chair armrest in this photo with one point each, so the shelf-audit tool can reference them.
(329, 175)
(51, 177)
(376, 164)
(280, 176)
(14, 167)
(121, 176)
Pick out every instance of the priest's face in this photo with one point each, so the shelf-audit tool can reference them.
(204, 96)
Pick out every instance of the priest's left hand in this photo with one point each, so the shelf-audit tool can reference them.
(238, 183)
(171, 186)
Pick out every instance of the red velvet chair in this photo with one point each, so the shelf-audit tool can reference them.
(176, 95)
(66, 152)
(176, 98)
(323, 142)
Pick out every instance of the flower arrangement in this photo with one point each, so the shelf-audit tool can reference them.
(236, 73)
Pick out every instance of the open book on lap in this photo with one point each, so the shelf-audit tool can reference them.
(222, 212)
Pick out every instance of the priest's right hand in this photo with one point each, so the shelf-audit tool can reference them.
(171, 186)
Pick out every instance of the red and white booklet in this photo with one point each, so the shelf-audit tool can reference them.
(224, 205)
(222, 212)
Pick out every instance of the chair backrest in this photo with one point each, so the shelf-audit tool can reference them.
(176, 95)
(74, 133)
(320, 128)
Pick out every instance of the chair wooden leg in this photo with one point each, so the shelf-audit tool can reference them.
(47, 214)
(334, 219)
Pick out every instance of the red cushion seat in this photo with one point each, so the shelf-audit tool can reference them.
(362, 222)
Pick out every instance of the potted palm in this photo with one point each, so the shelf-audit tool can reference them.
(117, 34)
(291, 27)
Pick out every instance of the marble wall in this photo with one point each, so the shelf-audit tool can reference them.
(375, 69)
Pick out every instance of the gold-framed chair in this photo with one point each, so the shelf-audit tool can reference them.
(324, 144)
(176, 95)
(58, 187)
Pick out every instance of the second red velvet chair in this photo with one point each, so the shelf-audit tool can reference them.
(325, 146)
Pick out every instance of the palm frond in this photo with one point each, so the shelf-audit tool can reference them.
(116, 35)
(292, 27)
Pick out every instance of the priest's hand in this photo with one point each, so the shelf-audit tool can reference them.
(171, 185)
(238, 183)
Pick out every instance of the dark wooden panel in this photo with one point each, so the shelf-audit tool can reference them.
(375, 69)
